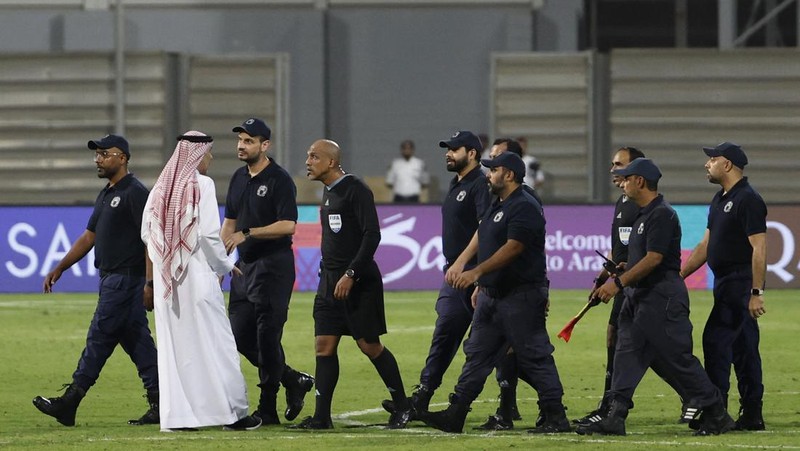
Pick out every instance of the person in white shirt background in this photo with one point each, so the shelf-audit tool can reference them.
(534, 176)
(407, 175)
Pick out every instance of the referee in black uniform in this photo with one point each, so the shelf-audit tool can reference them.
(260, 219)
(654, 325)
(349, 298)
(735, 246)
(120, 317)
(512, 305)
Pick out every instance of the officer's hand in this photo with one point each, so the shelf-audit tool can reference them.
(148, 298)
(452, 273)
(466, 279)
(343, 287)
(50, 280)
(236, 271)
(621, 266)
(756, 306)
(234, 240)
(607, 291)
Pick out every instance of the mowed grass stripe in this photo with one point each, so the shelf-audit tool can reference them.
(43, 335)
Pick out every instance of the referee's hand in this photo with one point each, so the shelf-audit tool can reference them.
(343, 287)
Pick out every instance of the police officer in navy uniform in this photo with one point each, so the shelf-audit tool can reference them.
(466, 202)
(625, 214)
(349, 298)
(507, 373)
(120, 317)
(735, 247)
(512, 305)
(260, 219)
(654, 323)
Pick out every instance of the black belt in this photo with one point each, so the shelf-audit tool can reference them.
(131, 272)
(501, 293)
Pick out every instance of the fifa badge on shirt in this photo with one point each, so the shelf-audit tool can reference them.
(115, 202)
(641, 229)
(728, 206)
(335, 223)
(262, 191)
(498, 216)
(461, 196)
(624, 234)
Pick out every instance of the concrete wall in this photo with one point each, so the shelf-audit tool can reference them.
(367, 77)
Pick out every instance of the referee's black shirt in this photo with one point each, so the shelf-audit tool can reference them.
(350, 230)
(258, 201)
(732, 218)
(117, 222)
(625, 213)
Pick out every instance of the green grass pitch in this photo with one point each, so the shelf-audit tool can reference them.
(42, 337)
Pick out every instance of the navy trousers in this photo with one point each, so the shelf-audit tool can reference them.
(655, 330)
(731, 336)
(119, 319)
(518, 320)
(258, 310)
(454, 315)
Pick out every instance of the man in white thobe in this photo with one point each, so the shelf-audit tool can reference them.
(199, 369)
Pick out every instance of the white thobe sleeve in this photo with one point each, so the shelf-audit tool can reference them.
(208, 220)
(147, 216)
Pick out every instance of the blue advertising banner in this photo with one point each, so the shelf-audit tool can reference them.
(35, 239)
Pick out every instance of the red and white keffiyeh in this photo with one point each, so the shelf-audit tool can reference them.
(174, 210)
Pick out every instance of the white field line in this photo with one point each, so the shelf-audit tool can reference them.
(45, 303)
(356, 413)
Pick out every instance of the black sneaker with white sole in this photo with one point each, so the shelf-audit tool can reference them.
(248, 423)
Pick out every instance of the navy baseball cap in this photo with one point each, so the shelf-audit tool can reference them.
(508, 160)
(109, 141)
(254, 127)
(730, 151)
(461, 139)
(640, 166)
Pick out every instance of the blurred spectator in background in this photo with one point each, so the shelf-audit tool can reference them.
(534, 176)
(407, 175)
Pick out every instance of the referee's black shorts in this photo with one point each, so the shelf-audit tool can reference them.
(361, 315)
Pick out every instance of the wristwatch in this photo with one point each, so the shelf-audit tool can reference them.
(757, 292)
(618, 283)
(246, 232)
(350, 273)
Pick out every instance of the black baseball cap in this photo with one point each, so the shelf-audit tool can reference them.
(461, 139)
(254, 127)
(109, 141)
(730, 151)
(640, 166)
(508, 160)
